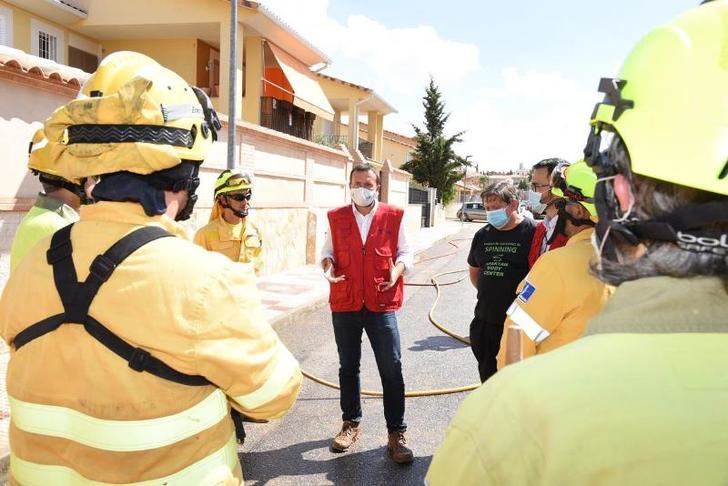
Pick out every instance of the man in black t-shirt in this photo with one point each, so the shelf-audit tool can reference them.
(498, 262)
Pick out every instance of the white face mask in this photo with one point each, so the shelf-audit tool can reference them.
(363, 196)
(535, 199)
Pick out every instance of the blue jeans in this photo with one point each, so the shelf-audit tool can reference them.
(381, 328)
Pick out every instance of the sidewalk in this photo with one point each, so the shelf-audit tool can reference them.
(285, 296)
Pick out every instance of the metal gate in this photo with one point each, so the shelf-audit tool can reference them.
(421, 196)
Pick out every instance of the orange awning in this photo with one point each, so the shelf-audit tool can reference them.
(307, 93)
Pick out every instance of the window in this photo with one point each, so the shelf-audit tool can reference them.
(6, 27)
(47, 46)
(47, 42)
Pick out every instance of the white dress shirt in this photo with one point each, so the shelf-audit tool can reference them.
(550, 224)
(364, 222)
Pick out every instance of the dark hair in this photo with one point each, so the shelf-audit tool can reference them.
(364, 167)
(504, 190)
(549, 164)
(654, 198)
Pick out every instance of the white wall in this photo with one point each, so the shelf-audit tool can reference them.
(22, 111)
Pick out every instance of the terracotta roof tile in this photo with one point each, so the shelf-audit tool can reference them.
(19, 62)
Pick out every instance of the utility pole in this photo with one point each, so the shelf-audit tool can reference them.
(233, 82)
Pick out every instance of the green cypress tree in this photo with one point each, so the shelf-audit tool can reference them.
(434, 162)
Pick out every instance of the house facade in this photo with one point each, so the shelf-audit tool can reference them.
(288, 124)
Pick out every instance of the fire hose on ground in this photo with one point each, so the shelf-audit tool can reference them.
(445, 330)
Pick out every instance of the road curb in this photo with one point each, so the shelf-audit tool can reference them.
(300, 311)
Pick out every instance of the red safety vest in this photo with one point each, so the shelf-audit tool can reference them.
(365, 266)
(538, 237)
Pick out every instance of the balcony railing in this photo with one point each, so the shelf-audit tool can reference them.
(329, 140)
(365, 148)
(283, 116)
(333, 141)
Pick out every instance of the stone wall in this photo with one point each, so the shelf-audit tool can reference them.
(296, 183)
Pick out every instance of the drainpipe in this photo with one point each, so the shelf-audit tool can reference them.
(233, 82)
(363, 100)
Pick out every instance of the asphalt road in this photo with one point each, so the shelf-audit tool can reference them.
(295, 449)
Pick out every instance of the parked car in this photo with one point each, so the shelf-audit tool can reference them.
(472, 210)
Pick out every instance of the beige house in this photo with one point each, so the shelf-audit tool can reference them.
(287, 121)
(397, 148)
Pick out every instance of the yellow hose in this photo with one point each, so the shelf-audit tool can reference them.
(419, 393)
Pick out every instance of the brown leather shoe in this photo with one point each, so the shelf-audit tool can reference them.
(346, 437)
(397, 448)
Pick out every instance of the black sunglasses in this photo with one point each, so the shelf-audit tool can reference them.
(241, 197)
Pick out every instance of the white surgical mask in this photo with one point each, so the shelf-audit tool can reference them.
(363, 196)
(534, 198)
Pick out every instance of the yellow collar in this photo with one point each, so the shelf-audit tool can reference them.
(129, 213)
(580, 236)
(230, 232)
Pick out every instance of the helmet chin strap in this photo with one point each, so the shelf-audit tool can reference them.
(62, 184)
(236, 212)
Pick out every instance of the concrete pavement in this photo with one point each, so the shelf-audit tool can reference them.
(295, 449)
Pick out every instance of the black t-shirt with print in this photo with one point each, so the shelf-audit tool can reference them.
(502, 257)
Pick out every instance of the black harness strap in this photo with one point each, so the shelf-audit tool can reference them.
(38, 329)
(77, 298)
(138, 358)
(64, 273)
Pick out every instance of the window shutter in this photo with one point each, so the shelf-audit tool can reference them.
(4, 30)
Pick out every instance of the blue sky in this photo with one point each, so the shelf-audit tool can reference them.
(519, 77)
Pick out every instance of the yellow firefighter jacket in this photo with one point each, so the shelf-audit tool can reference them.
(47, 215)
(555, 301)
(640, 399)
(80, 414)
(239, 242)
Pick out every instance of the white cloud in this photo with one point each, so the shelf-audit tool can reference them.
(389, 60)
(524, 117)
(518, 115)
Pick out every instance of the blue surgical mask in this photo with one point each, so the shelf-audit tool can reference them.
(498, 218)
(534, 199)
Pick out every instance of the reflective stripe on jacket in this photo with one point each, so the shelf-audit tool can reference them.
(366, 266)
(79, 414)
(554, 303)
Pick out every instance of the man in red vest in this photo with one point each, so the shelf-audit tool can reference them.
(364, 256)
(543, 202)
